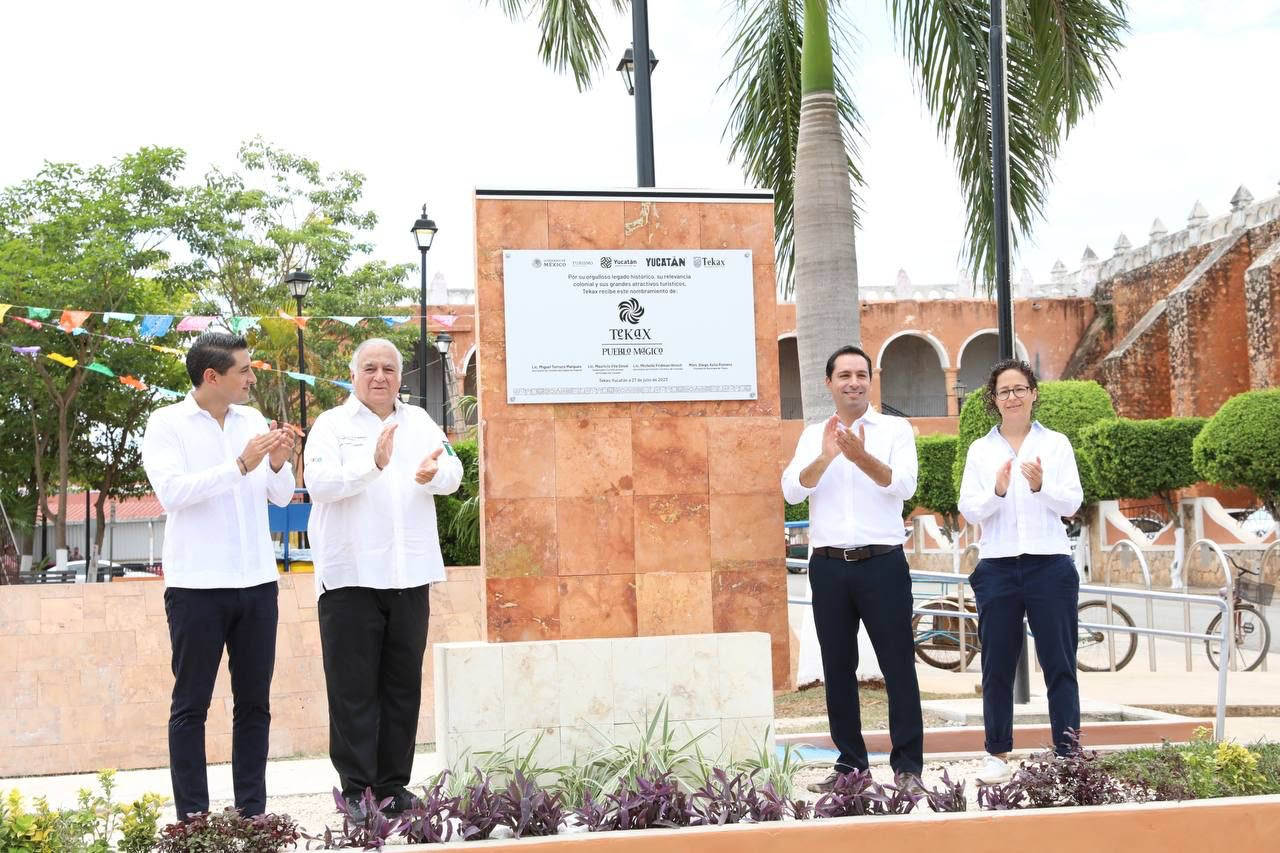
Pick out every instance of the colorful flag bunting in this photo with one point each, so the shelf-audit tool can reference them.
(99, 367)
(35, 324)
(239, 325)
(119, 315)
(167, 394)
(396, 321)
(39, 313)
(132, 382)
(4, 309)
(446, 320)
(350, 321)
(61, 359)
(72, 320)
(155, 325)
(301, 377)
(32, 351)
(341, 384)
(169, 350)
(261, 365)
(194, 324)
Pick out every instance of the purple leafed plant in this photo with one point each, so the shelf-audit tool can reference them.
(654, 800)
(430, 821)
(855, 794)
(531, 809)
(764, 804)
(1002, 798)
(721, 800)
(481, 810)
(950, 798)
(229, 830)
(363, 824)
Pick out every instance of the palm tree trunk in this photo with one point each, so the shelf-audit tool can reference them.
(826, 262)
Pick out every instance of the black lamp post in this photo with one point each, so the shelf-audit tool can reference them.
(960, 390)
(641, 90)
(424, 232)
(299, 283)
(443, 340)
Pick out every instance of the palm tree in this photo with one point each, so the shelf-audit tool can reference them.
(793, 121)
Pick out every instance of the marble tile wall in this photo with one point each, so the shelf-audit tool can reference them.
(567, 698)
(630, 519)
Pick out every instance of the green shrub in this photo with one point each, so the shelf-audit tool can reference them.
(1141, 458)
(798, 512)
(1240, 446)
(457, 515)
(1066, 406)
(935, 486)
(93, 826)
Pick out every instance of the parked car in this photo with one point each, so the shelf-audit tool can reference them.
(107, 570)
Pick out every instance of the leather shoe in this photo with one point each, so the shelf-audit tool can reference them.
(401, 801)
(909, 782)
(827, 784)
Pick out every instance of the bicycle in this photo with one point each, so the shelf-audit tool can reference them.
(1251, 633)
(937, 636)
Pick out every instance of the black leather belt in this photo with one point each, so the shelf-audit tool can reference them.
(853, 555)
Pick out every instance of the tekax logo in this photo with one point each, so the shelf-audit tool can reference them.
(630, 311)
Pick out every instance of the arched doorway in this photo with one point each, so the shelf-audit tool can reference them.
(789, 380)
(911, 379)
(978, 354)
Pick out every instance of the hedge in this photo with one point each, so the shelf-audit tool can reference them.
(1240, 446)
(461, 547)
(1067, 406)
(1141, 458)
(935, 487)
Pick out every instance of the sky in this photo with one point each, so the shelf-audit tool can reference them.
(435, 98)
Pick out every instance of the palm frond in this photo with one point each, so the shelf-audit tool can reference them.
(764, 124)
(1060, 53)
(570, 37)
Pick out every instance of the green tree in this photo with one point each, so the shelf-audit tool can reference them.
(935, 487)
(1141, 458)
(793, 122)
(76, 237)
(275, 212)
(1240, 446)
(1066, 406)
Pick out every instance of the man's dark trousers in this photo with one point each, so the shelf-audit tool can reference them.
(201, 623)
(875, 592)
(1046, 588)
(373, 641)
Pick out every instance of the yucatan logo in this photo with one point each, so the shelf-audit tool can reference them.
(606, 262)
(630, 311)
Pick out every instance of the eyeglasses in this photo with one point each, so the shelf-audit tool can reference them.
(1018, 391)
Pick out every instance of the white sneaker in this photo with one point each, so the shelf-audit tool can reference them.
(994, 771)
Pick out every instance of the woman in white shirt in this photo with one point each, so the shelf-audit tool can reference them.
(1020, 480)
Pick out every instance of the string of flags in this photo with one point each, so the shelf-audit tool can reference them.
(159, 325)
(151, 326)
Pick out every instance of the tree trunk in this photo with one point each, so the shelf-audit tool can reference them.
(826, 277)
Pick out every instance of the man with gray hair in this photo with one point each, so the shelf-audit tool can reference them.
(373, 467)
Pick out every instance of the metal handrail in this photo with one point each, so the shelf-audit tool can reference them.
(1146, 577)
(1223, 606)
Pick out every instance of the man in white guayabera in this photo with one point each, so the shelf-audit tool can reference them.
(374, 467)
(856, 468)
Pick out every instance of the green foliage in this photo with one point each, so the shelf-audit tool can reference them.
(1200, 769)
(1140, 458)
(457, 515)
(935, 487)
(1240, 446)
(96, 825)
(1066, 406)
(797, 512)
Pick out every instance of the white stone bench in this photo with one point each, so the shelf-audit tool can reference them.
(573, 697)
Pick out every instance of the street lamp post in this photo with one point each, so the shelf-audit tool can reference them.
(299, 282)
(442, 346)
(424, 232)
(641, 90)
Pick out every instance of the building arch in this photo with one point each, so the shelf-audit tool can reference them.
(976, 355)
(938, 348)
(912, 378)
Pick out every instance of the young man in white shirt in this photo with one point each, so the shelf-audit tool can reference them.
(214, 463)
(857, 468)
(374, 467)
